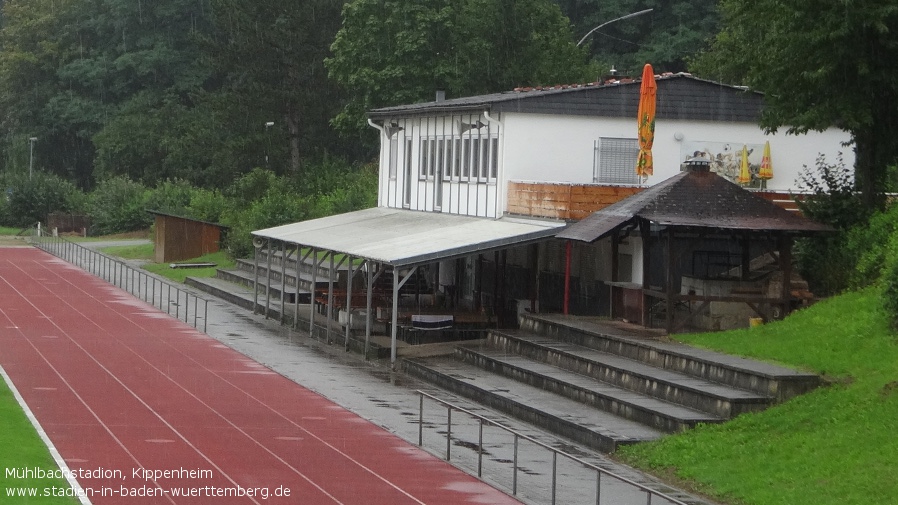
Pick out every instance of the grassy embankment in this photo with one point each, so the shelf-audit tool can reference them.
(837, 445)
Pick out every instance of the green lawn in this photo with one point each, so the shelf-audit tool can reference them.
(130, 252)
(221, 260)
(836, 445)
(23, 448)
(8, 230)
(145, 251)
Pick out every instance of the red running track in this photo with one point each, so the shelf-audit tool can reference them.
(119, 386)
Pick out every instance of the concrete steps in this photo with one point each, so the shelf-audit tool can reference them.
(556, 370)
(776, 382)
(718, 400)
(246, 278)
(566, 417)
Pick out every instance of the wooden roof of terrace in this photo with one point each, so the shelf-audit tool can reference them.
(695, 198)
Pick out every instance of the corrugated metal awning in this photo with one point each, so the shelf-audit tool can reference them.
(400, 237)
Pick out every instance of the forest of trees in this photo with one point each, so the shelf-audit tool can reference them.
(206, 90)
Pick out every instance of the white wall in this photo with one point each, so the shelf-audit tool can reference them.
(551, 148)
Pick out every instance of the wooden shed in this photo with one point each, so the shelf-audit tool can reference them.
(179, 238)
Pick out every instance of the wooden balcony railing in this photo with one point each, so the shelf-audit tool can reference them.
(572, 202)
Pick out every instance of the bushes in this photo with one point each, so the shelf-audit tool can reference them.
(870, 245)
(889, 281)
(28, 199)
(118, 205)
(260, 199)
(827, 262)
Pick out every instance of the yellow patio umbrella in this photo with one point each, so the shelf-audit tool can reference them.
(744, 173)
(766, 171)
(645, 118)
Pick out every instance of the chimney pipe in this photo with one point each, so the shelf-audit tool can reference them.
(441, 95)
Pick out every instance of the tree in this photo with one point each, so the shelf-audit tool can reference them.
(79, 73)
(666, 37)
(271, 54)
(819, 65)
(390, 52)
(30, 53)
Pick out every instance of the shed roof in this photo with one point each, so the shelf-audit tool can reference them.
(679, 96)
(693, 198)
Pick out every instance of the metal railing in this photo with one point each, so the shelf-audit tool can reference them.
(556, 453)
(161, 294)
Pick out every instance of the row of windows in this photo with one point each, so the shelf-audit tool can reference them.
(477, 159)
(450, 158)
(459, 159)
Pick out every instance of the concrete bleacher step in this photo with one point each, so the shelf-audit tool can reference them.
(247, 279)
(643, 408)
(776, 382)
(234, 293)
(717, 400)
(579, 422)
(245, 274)
(304, 266)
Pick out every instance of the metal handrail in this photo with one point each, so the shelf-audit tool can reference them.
(126, 277)
(520, 436)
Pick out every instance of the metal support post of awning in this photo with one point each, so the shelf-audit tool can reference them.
(283, 278)
(301, 261)
(394, 317)
(330, 293)
(349, 278)
(315, 264)
(256, 276)
(372, 278)
(268, 279)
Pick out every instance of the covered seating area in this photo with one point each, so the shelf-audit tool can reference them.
(703, 244)
(369, 256)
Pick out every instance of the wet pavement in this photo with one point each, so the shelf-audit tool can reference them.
(390, 400)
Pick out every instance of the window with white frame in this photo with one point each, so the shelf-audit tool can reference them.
(614, 161)
(394, 156)
(472, 158)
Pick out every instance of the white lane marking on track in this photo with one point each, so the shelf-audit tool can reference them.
(361, 465)
(164, 421)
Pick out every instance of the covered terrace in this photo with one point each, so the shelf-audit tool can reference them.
(373, 241)
(702, 240)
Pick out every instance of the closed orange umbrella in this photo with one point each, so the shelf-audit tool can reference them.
(645, 117)
(766, 171)
(744, 172)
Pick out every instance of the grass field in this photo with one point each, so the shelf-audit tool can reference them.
(145, 252)
(837, 445)
(23, 448)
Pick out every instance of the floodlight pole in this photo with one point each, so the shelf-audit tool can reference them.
(31, 142)
(606, 23)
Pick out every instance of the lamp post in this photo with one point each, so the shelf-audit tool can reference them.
(268, 126)
(606, 23)
(31, 142)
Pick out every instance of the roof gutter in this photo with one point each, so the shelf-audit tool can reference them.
(375, 125)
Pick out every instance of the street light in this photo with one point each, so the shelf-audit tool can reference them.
(606, 23)
(268, 126)
(31, 142)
